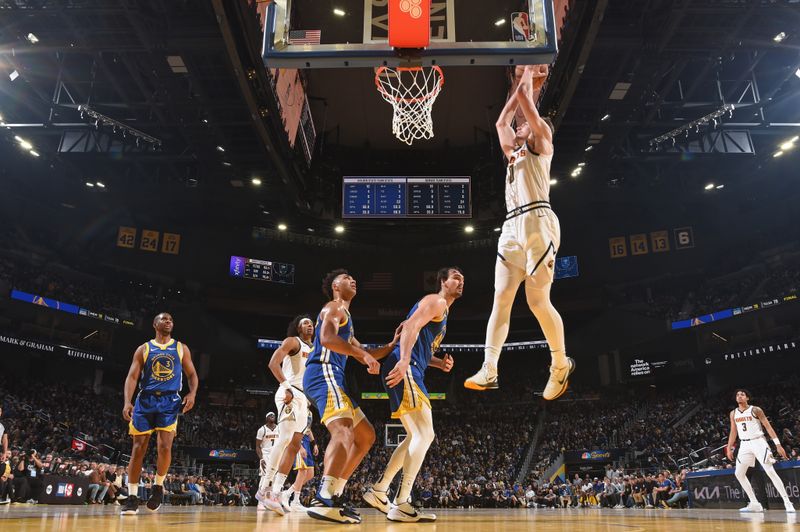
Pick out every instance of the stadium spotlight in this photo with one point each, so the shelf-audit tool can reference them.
(588, 148)
(779, 37)
(100, 184)
(339, 12)
(339, 228)
(709, 186)
(256, 181)
(777, 154)
(796, 72)
(33, 39)
(90, 184)
(788, 145)
(469, 229)
(605, 117)
(553, 182)
(719, 187)
(220, 148)
(581, 164)
(34, 153)
(499, 22)
(14, 75)
(496, 229)
(282, 227)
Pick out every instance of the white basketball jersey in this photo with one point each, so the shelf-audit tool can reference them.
(295, 365)
(267, 437)
(747, 425)
(527, 178)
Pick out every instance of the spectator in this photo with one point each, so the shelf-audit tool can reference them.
(28, 477)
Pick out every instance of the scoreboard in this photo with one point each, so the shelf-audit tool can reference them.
(406, 197)
(261, 270)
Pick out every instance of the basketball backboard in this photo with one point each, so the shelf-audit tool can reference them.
(354, 33)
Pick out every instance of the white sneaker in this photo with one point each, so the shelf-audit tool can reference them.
(261, 506)
(789, 506)
(406, 513)
(297, 506)
(559, 381)
(274, 504)
(752, 507)
(285, 496)
(485, 379)
(377, 499)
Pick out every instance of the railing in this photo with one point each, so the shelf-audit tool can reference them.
(526, 464)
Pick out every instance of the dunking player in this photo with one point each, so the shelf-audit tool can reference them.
(159, 366)
(747, 421)
(304, 465)
(351, 434)
(265, 442)
(287, 364)
(403, 371)
(530, 238)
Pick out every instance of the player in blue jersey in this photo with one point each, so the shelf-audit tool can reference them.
(158, 366)
(403, 371)
(324, 384)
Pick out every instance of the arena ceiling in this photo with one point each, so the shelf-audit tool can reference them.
(189, 75)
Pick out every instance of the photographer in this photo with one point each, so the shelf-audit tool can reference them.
(28, 477)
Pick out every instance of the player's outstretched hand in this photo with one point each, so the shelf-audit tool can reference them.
(448, 362)
(782, 452)
(127, 412)
(373, 367)
(188, 402)
(397, 374)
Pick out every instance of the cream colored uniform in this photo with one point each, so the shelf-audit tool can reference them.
(294, 416)
(531, 234)
(754, 444)
(267, 437)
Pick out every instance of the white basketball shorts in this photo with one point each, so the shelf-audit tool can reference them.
(530, 241)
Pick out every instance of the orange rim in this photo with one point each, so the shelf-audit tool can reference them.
(379, 85)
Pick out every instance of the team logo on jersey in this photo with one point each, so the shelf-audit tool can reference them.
(163, 368)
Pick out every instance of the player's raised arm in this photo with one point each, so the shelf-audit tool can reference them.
(191, 377)
(130, 381)
(526, 96)
(431, 307)
(762, 417)
(731, 439)
(505, 133)
(332, 315)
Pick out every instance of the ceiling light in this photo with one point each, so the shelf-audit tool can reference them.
(794, 139)
(220, 148)
(777, 153)
(575, 173)
(339, 228)
(605, 117)
(581, 164)
(779, 37)
(496, 229)
(310, 229)
(100, 184)
(225, 163)
(33, 39)
(26, 145)
(788, 145)
(469, 229)
(553, 181)
(588, 148)
(339, 12)
(1, 119)
(796, 73)
(719, 187)
(14, 75)
(264, 212)
(256, 181)
(282, 227)
(709, 186)
(90, 185)
(205, 121)
(35, 154)
(499, 22)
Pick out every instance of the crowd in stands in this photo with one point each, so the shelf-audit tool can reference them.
(688, 296)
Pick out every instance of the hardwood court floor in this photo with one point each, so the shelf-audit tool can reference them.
(200, 519)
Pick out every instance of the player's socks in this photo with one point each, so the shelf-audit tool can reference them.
(326, 487)
(133, 489)
(338, 485)
(277, 483)
(159, 481)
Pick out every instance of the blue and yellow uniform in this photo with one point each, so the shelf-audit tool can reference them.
(323, 380)
(411, 394)
(159, 403)
(308, 461)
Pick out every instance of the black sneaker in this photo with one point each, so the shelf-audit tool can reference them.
(328, 510)
(156, 498)
(347, 507)
(131, 506)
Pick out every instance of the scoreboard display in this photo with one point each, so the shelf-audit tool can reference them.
(406, 197)
(261, 270)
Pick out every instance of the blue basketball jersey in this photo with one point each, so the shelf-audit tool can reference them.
(429, 339)
(162, 370)
(323, 355)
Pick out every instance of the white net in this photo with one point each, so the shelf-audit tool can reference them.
(412, 92)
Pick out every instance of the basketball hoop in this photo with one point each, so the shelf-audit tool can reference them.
(412, 92)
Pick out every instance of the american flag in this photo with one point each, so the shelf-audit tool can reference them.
(379, 281)
(304, 36)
